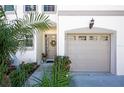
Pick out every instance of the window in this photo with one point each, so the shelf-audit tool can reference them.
(71, 37)
(104, 38)
(92, 37)
(49, 8)
(8, 7)
(81, 37)
(29, 8)
(29, 41)
(26, 40)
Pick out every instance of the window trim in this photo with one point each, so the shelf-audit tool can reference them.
(28, 47)
(49, 12)
(29, 11)
(10, 12)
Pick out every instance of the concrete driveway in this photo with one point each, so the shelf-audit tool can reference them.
(80, 79)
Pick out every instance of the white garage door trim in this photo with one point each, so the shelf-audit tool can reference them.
(97, 30)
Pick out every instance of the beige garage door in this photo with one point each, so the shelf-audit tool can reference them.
(88, 52)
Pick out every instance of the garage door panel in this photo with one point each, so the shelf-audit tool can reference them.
(89, 55)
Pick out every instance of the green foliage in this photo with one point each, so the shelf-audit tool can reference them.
(27, 67)
(17, 78)
(2, 14)
(60, 71)
(59, 76)
(3, 70)
(36, 20)
(44, 82)
(63, 63)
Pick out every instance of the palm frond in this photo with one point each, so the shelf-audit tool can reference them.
(37, 21)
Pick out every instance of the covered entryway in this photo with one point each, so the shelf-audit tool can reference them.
(89, 51)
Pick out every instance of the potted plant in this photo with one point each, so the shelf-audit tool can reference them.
(44, 56)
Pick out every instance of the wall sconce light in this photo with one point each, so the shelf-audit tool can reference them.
(91, 23)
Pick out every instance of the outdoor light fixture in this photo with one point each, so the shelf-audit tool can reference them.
(91, 23)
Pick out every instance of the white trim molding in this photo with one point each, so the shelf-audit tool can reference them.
(92, 13)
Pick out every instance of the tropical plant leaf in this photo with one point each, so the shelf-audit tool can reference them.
(37, 21)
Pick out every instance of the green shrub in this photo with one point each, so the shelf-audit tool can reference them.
(60, 71)
(63, 63)
(44, 82)
(3, 70)
(17, 78)
(59, 76)
(27, 67)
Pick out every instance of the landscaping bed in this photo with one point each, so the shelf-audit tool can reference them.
(19, 76)
(58, 76)
(16, 77)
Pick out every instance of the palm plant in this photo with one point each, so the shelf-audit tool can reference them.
(13, 31)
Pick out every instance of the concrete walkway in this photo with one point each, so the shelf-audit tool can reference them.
(44, 67)
(96, 80)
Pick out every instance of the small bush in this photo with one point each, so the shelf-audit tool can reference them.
(59, 76)
(18, 77)
(60, 71)
(27, 67)
(44, 82)
(3, 70)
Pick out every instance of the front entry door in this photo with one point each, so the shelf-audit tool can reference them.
(50, 45)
